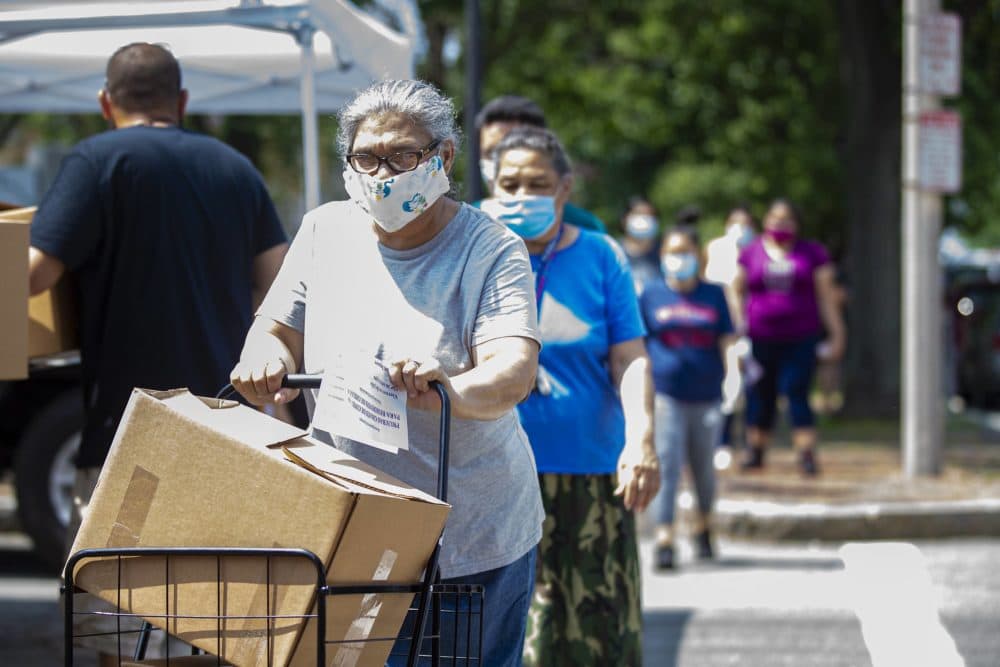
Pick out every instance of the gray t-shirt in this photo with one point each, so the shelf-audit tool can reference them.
(469, 284)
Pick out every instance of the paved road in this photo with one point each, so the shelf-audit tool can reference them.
(857, 605)
(865, 604)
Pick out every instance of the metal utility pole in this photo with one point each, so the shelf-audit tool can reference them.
(922, 340)
(473, 93)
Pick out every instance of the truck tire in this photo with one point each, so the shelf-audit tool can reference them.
(44, 471)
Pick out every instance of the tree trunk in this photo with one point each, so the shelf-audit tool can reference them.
(870, 74)
(434, 68)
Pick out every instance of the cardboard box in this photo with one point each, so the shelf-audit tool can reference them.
(42, 325)
(187, 471)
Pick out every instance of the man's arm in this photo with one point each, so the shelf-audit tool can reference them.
(265, 270)
(44, 271)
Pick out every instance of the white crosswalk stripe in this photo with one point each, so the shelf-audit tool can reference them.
(897, 605)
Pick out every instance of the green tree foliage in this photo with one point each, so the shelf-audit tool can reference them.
(687, 101)
(977, 208)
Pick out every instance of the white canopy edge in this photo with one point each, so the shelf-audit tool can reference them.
(249, 57)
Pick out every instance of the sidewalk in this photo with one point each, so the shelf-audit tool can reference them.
(862, 494)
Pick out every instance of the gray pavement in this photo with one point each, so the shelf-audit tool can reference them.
(860, 604)
(789, 587)
(758, 605)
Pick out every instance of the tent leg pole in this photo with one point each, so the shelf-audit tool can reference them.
(310, 131)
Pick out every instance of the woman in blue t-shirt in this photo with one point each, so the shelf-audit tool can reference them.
(589, 418)
(689, 329)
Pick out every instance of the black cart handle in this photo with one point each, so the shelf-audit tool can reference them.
(301, 381)
(307, 381)
(292, 381)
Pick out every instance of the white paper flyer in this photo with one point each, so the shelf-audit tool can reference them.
(357, 401)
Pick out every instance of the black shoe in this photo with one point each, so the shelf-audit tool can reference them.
(665, 557)
(703, 544)
(807, 462)
(753, 458)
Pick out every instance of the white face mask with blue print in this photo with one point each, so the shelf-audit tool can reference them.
(679, 266)
(528, 216)
(395, 201)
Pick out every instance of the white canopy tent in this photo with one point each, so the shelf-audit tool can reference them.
(249, 56)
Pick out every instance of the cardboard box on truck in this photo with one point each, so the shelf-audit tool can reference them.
(189, 471)
(31, 327)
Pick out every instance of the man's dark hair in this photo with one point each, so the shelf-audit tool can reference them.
(688, 231)
(688, 215)
(510, 109)
(143, 77)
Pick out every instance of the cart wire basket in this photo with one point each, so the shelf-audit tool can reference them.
(454, 611)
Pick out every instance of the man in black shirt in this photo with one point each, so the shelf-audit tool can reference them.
(171, 237)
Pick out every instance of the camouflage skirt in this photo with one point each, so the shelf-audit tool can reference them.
(586, 608)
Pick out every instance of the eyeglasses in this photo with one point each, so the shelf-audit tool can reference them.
(368, 163)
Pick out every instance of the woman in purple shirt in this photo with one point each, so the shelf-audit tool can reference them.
(786, 292)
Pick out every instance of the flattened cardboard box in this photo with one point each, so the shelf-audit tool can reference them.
(188, 471)
(30, 327)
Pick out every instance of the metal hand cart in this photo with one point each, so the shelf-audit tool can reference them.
(455, 611)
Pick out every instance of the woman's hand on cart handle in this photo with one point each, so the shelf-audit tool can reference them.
(416, 376)
(261, 382)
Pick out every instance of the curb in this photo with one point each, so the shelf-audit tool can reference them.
(858, 521)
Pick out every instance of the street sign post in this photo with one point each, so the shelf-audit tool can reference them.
(931, 166)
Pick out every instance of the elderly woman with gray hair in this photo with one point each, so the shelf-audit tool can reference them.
(441, 293)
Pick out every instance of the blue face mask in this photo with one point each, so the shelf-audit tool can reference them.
(528, 216)
(641, 226)
(679, 266)
(741, 234)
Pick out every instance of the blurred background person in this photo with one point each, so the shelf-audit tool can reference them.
(690, 330)
(787, 294)
(498, 117)
(641, 241)
(589, 418)
(722, 256)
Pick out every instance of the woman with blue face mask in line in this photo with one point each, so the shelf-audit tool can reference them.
(690, 329)
(589, 418)
(641, 241)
